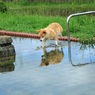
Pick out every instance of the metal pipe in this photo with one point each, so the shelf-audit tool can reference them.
(72, 15)
(68, 30)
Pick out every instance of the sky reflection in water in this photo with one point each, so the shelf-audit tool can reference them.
(39, 72)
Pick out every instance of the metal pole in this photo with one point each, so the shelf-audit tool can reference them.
(76, 14)
(68, 29)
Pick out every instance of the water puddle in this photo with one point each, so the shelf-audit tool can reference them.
(49, 71)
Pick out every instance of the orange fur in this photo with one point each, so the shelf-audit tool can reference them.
(52, 57)
(52, 31)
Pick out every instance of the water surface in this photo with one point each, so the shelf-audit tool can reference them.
(48, 71)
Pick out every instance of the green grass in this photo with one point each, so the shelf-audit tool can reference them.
(81, 27)
(29, 17)
(50, 9)
(27, 23)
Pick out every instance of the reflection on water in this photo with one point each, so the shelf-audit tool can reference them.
(52, 57)
(29, 78)
(7, 64)
(7, 56)
(7, 68)
(80, 54)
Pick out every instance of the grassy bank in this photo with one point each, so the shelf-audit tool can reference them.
(50, 9)
(29, 17)
(81, 27)
(27, 23)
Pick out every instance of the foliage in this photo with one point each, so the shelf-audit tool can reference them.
(3, 7)
(52, 1)
(49, 9)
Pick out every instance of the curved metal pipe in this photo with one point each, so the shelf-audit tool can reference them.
(68, 29)
(72, 15)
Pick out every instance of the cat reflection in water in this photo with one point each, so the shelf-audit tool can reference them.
(52, 57)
